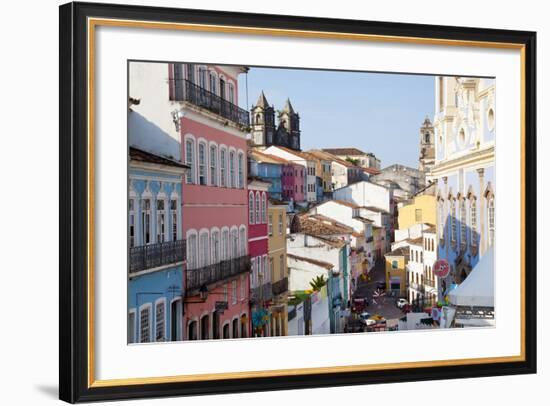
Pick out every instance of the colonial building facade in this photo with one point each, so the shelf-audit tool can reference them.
(156, 248)
(213, 141)
(464, 172)
(260, 276)
(277, 264)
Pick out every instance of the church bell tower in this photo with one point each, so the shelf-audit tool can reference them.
(427, 146)
(263, 123)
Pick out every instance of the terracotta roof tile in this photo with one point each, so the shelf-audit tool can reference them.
(344, 151)
(261, 157)
(401, 251)
(322, 264)
(318, 227)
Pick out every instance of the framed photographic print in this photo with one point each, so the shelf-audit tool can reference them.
(259, 202)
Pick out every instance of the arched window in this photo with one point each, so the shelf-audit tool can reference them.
(161, 220)
(453, 220)
(232, 181)
(234, 244)
(223, 167)
(190, 160)
(202, 164)
(463, 223)
(192, 331)
(427, 138)
(473, 222)
(231, 93)
(191, 251)
(174, 216)
(225, 245)
(213, 165)
(251, 208)
(441, 221)
(202, 77)
(213, 83)
(264, 208)
(241, 170)
(491, 218)
(258, 206)
(204, 249)
(215, 246)
(146, 221)
(242, 241)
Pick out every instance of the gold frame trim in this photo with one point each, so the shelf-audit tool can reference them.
(94, 22)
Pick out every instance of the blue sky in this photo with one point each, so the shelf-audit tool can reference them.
(375, 112)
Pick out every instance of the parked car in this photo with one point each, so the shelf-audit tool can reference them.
(365, 315)
(367, 319)
(401, 302)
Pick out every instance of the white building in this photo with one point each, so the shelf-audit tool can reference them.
(464, 172)
(333, 251)
(154, 119)
(422, 284)
(303, 159)
(366, 194)
(349, 214)
(302, 270)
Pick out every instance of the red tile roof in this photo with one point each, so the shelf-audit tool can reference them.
(322, 264)
(344, 151)
(272, 159)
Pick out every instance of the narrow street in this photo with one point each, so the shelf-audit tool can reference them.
(383, 305)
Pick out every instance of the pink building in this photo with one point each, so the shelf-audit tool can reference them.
(260, 277)
(293, 182)
(213, 143)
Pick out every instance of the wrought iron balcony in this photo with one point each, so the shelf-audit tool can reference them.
(207, 275)
(187, 91)
(280, 287)
(155, 255)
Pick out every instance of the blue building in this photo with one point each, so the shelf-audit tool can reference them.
(270, 169)
(157, 250)
(320, 189)
(464, 173)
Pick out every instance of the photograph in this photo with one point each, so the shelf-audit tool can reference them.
(268, 201)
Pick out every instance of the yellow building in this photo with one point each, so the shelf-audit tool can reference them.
(278, 268)
(422, 210)
(395, 270)
(322, 168)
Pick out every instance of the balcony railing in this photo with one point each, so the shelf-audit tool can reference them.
(279, 287)
(187, 91)
(155, 255)
(207, 275)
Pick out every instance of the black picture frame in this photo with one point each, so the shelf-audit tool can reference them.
(74, 200)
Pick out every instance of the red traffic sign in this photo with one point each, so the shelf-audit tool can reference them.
(442, 268)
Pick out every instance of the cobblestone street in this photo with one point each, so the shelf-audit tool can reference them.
(384, 305)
